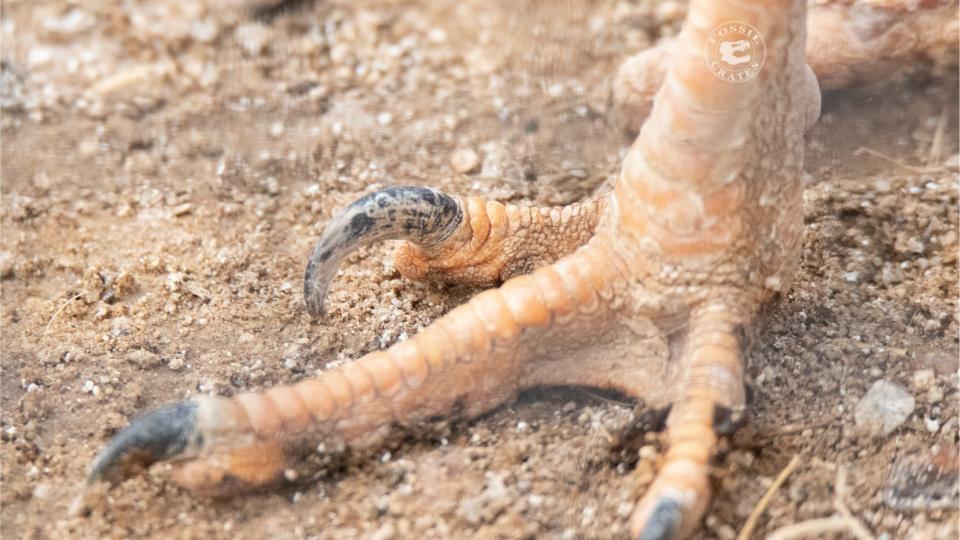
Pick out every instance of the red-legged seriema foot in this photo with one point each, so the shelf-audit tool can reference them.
(702, 226)
(449, 238)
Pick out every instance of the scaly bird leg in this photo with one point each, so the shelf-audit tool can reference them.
(849, 42)
(535, 328)
(709, 204)
(449, 238)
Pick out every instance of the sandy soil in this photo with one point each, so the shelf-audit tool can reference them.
(166, 168)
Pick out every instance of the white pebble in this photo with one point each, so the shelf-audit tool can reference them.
(934, 395)
(387, 531)
(647, 452)
(464, 160)
(883, 409)
(252, 37)
(923, 379)
(588, 514)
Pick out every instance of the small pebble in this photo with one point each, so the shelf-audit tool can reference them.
(923, 379)
(726, 532)
(253, 38)
(41, 491)
(143, 359)
(883, 409)
(387, 531)
(915, 245)
(934, 395)
(587, 515)
(464, 160)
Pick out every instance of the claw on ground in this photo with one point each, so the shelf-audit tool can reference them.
(159, 435)
(664, 520)
(421, 215)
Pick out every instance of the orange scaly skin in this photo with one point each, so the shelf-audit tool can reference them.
(703, 226)
(849, 42)
(498, 241)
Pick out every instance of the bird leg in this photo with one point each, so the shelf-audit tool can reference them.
(708, 210)
(849, 42)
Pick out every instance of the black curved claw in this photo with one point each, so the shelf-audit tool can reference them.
(156, 436)
(419, 214)
(664, 520)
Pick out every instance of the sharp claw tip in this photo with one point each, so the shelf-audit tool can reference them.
(158, 435)
(664, 520)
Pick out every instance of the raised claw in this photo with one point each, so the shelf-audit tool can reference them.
(158, 435)
(418, 214)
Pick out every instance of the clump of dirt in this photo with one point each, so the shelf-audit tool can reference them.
(166, 168)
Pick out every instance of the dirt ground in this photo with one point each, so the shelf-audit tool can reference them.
(166, 167)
